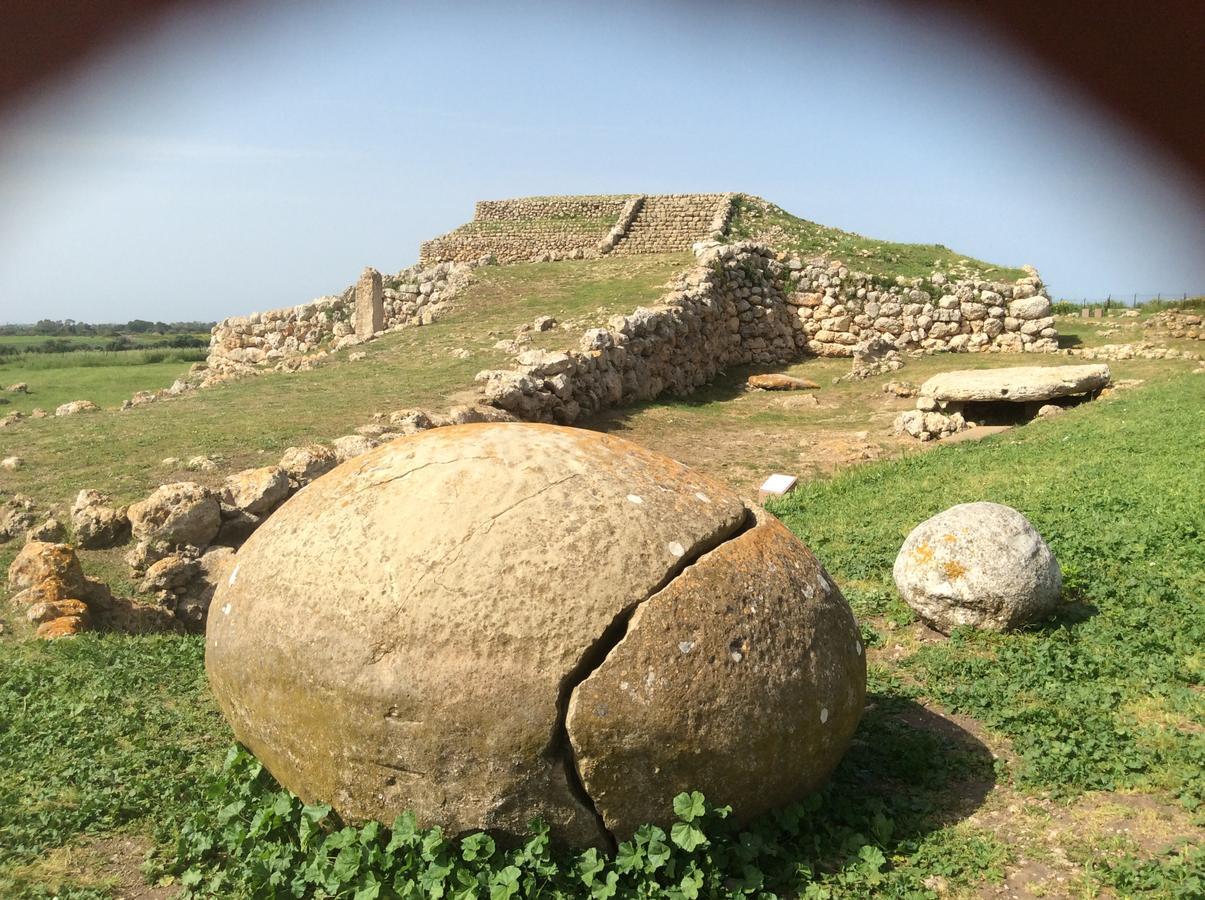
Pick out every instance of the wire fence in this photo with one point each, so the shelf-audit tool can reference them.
(1129, 301)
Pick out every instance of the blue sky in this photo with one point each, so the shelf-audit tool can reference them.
(225, 163)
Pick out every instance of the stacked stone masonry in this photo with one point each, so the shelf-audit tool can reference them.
(742, 304)
(413, 296)
(547, 228)
(674, 222)
(530, 227)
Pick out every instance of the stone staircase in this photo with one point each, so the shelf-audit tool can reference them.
(673, 222)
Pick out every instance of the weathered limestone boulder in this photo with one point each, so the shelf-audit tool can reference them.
(47, 530)
(76, 406)
(169, 574)
(40, 561)
(63, 626)
(978, 564)
(192, 603)
(304, 464)
(779, 382)
(255, 491)
(17, 516)
(182, 513)
(48, 583)
(352, 445)
(1020, 384)
(436, 626)
(97, 524)
(1028, 308)
(11, 463)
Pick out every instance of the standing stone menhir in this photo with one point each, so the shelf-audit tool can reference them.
(493, 622)
(370, 304)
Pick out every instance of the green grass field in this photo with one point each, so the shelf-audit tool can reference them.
(251, 421)
(104, 378)
(972, 752)
(755, 219)
(33, 341)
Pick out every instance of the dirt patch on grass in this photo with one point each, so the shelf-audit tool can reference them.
(110, 863)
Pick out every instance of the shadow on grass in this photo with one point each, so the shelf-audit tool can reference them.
(922, 769)
(727, 385)
(1069, 340)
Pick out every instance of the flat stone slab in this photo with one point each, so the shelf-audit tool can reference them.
(1023, 384)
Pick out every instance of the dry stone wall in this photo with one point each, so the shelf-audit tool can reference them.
(742, 304)
(840, 308)
(529, 228)
(279, 337)
(674, 222)
(548, 228)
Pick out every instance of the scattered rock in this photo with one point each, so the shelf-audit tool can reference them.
(171, 462)
(49, 530)
(978, 564)
(508, 601)
(802, 401)
(19, 388)
(357, 356)
(351, 445)
(410, 421)
(902, 389)
(76, 406)
(41, 561)
(543, 323)
(255, 491)
(182, 513)
(12, 463)
(928, 426)
(17, 516)
(874, 356)
(201, 464)
(777, 382)
(304, 464)
(192, 604)
(66, 626)
(96, 523)
(1049, 409)
(169, 574)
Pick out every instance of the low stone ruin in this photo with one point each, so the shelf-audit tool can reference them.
(951, 401)
(743, 304)
(487, 623)
(285, 338)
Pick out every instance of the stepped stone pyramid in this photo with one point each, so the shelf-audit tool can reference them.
(546, 228)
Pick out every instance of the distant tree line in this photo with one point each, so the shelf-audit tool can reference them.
(64, 327)
(110, 336)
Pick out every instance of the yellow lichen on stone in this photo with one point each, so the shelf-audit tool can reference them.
(954, 569)
(923, 553)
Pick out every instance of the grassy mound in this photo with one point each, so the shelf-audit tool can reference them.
(757, 219)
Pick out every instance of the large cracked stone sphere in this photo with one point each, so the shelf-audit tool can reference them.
(489, 623)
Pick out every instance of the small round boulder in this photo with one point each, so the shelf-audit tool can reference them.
(978, 564)
(487, 623)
